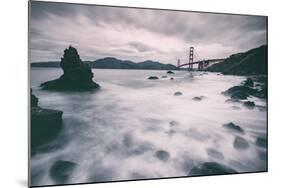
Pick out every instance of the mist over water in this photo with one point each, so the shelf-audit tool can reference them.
(135, 128)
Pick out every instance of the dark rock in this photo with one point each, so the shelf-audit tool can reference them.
(170, 72)
(249, 104)
(164, 76)
(240, 143)
(153, 78)
(172, 78)
(261, 142)
(239, 95)
(262, 93)
(234, 127)
(215, 154)
(210, 168)
(33, 100)
(240, 91)
(162, 155)
(249, 82)
(197, 98)
(61, 171)
(45, 125)
(178, 93)
(77, 75)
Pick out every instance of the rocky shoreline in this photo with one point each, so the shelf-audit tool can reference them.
(45, 124)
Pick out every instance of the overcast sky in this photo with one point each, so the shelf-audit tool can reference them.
(139, 34)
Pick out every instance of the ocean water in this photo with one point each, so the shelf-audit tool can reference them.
(135, 128)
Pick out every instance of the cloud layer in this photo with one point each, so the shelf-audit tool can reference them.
(139, 34)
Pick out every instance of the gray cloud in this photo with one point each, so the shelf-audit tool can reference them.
(139, 34)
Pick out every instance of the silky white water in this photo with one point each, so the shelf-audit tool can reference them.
(113, 134)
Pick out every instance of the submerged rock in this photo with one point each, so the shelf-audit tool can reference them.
(76, 74)
(153, 78)
(61, 171)
(261, 142)
(240, 143)
(215, 154)
(178, 93)
(232, 126)
(162, 155)
(210, 168)
(170, 72)
(197, 98)
(249, 104)
(164, 76)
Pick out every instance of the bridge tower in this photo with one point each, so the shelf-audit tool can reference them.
(179, 62)
(191, 51)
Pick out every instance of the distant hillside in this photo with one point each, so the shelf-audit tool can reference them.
(113, 63)
(252, 62)
(155, 65)
(46, 64)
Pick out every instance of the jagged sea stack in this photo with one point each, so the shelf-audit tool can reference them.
(77, 76)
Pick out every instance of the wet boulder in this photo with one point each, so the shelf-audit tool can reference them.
(77, 75)
(170, 72)
(153, 78)
(240, 143)
(249, 104)
(240, 92)
(233, 127)
(198, 98)
(61, 171)
(210, 168)
(215, 154)
(262, 93)
(178, 93)
(162, 155)
(239, 95)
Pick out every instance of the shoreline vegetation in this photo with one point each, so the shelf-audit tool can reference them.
(77, 76)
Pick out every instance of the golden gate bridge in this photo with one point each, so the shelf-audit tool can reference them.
(202, 63)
